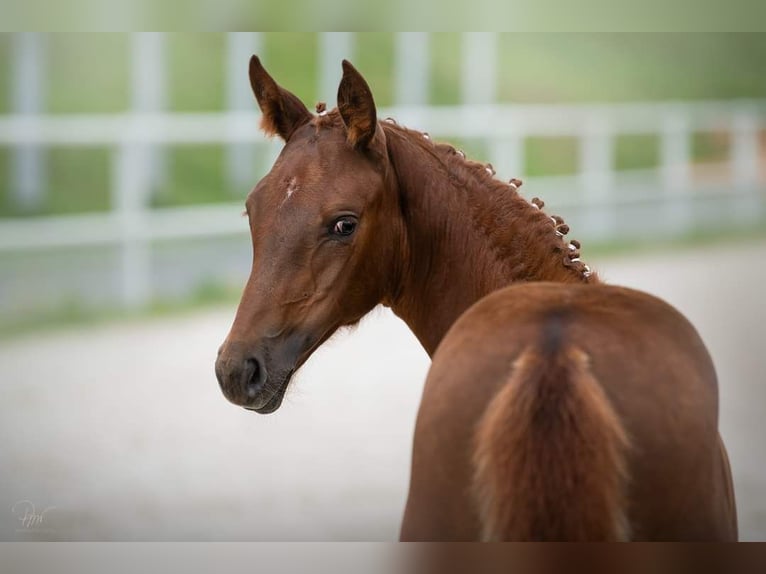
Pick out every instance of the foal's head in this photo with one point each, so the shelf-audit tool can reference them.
(326, 233)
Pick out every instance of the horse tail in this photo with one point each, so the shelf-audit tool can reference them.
(550, 452)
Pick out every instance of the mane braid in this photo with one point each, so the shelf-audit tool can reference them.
(326, 119)
(469, 174)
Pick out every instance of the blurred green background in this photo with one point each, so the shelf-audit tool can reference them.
(89, 73)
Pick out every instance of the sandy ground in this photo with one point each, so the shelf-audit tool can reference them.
(121, 433)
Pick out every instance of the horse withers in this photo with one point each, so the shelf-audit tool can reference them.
(556, 408)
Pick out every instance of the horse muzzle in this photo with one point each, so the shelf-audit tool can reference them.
(256, 376)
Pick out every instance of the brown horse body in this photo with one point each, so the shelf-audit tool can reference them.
(556, 407)
(595, 411)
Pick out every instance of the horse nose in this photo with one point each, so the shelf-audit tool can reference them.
(253, 377)
(241, 376)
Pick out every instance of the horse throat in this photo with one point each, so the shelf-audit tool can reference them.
(467, 235)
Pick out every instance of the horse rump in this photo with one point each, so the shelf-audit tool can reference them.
(550, 452)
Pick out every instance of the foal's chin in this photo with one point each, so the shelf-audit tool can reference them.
(271, 398)
(271, 404)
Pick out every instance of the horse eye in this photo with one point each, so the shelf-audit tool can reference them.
(344, 226)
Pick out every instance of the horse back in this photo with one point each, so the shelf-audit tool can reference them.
(635, 362)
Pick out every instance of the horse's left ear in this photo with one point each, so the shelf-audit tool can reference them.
(356, 107)
(282, 111)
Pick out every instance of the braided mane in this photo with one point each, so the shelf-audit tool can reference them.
(508, 203)
(472, 174)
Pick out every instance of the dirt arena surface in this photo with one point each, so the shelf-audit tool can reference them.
(120, 432)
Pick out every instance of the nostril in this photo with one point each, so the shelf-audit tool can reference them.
(253, 377)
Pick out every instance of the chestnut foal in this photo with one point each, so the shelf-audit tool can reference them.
(556, 407)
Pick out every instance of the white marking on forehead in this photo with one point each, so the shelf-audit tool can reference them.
(292, 187)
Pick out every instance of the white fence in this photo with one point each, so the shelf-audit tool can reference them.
(595, 190)
(598, 197)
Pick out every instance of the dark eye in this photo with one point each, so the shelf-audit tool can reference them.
(344, 226)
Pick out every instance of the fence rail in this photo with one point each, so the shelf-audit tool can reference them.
(469, 121)
(604, 202)
(597, 189)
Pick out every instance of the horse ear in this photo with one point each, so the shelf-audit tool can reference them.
(282, 111)
(356, 106)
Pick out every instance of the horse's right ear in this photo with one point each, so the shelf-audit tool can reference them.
(356, 107)
(282, 111)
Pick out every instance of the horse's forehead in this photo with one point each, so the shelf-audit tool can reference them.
(314, 168)
(318, 160)
(309, 156)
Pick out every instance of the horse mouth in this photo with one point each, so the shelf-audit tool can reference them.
(273, 403)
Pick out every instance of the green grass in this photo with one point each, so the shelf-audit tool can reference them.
(551, 156)
(445, 65)
(197, 68)
(195, 175)
(620, 67)
(637, 152)
(86, 73)
(291, 59)
(78, 181)
(90, 72)
(374, 54)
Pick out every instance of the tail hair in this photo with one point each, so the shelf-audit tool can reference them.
(550, 454)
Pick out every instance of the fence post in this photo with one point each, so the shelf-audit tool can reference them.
(597, 175)
(744, 159)
(333, 48)
(411, 69)
(479, 68)
(131, 182)
(675, 152)
(149, 90)
(28, 81)
(240, 157)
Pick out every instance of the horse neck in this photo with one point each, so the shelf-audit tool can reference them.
(466, 235)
